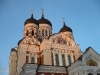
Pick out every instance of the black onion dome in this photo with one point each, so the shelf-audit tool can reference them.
(65, 29)
(31, 20)
(44, 21)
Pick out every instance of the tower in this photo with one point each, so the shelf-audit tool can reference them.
(13, 61)
(28, 47)
(45, 28)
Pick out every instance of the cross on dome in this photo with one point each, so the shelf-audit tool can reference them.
(63, 19)
(42, 12)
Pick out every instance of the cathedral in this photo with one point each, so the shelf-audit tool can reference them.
(40, 52)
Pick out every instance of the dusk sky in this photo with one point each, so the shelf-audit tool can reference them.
(83, 16)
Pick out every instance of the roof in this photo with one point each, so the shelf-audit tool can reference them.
(31, 20)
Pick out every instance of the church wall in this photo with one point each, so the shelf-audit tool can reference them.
(21, 60)
(47, 58)
(13, 63)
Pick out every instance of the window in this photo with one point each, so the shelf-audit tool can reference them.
(69, 59)
(32, 32)
(46, 33)
(74, 58)
(42, 32)
(32, 60)
(57, 59)
(64, 42)
(63, 60)
(27, 33)
(98, 73)
(90, 74)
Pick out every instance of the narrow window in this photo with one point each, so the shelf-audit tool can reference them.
(90, 74)
(32, 60)
(63, 60)
(74, 58)
(69, 59)
(27, 33)
(46, 32)
(42, 32)
(27, 58)
(64, 42)
(32, 32)
(57, 60)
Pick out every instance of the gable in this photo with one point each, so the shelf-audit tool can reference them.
(61, 38)
(91, 57)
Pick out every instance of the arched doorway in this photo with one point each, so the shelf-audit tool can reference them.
(90, 74)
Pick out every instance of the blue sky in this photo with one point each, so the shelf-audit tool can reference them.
(83, 16)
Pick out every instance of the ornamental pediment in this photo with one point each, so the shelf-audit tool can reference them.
(62, 38)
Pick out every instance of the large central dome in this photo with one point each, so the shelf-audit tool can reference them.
(44, 21)
(31, 20)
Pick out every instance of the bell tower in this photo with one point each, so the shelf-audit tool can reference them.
(31, 27)
(45, 28)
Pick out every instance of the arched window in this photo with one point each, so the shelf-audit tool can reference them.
(32, 60)
(32, 32)
(46, 33)
(27, 33)
(69, 59)
(57, 59)
(63, 60)
(98, 73)
(90, 74)
(42, 32)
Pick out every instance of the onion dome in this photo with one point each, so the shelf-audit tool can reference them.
(31, 20)
(65, 28)
(44, 21)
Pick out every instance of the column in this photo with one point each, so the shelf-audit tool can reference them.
(66, 59)
(54, 58)
(72, 59)
(60, 58)
(35, 59)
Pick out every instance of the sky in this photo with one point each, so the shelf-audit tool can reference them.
(82, 16)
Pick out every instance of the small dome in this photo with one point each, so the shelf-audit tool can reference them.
(65, 29)
(31, 20)
(44, 21)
